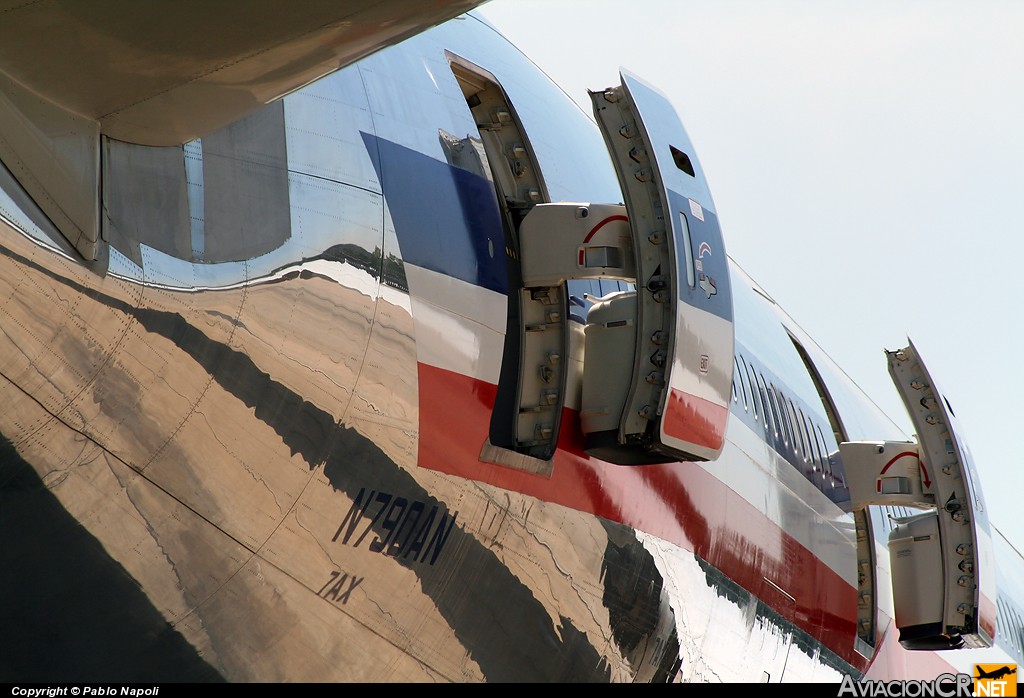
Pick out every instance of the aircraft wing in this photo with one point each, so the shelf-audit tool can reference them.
(162, 73)
(157, 72)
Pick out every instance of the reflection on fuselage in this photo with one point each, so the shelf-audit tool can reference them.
(261, 462)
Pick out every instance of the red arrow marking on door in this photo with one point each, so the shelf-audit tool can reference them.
(602, 224)
(878, 483)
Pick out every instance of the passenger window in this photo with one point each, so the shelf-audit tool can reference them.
(787, 422)
(779, 414)
(743, 385)
(819, 450)
(755, 397)
(797, 433)
(826, 463)
(806, 435)
(735, 378)
(748, 385)
(769, 418)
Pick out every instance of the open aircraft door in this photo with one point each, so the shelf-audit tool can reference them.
(942, 562)
(677, 402)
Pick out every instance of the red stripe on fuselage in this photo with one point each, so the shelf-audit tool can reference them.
(987, 615)
(680, 502)
(695, 420)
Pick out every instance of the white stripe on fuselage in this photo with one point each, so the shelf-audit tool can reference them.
(460, 327)
(770, 484)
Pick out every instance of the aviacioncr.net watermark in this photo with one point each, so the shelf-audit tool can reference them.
(942, 686)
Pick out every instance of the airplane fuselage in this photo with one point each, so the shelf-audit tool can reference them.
(256, 440)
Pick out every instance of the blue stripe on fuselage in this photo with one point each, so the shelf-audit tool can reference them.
(447, 219)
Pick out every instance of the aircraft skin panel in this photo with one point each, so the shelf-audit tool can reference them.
(696, 420)
(696, 414)
(465, 241)
(474, 303)
(269, 469)
(337, 155)
(689, 508)
(93, 526)
(454, 343)
(456, 324)
(160, 79)
(744, 476)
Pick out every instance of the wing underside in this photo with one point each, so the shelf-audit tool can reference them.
(162, 73)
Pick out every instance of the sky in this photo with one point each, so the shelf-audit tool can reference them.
(866, 160)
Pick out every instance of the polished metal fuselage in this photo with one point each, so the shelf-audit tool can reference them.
(235, 447)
